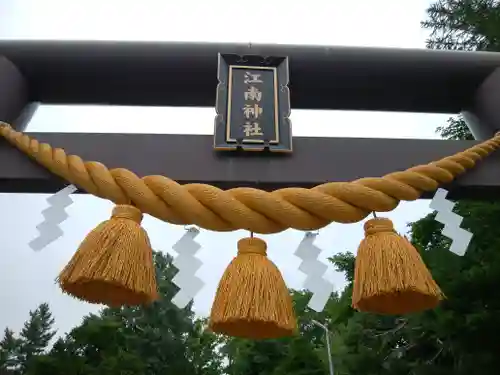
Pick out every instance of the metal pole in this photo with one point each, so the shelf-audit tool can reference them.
(327, 333)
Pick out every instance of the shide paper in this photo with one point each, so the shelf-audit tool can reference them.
(321, 289)
(460, 238)
(187, 264)
(54, 215)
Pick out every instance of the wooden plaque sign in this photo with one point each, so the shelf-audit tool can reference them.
(253, 104)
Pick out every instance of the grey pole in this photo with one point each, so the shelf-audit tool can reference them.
(14, 95)
(327, 333)
(483, 117)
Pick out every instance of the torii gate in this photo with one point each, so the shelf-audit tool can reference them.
(183, 74)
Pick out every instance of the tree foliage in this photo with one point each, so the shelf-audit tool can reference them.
(158, 339)
(464, 25)
(9, 351)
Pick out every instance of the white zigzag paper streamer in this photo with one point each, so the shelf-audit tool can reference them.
(460, 238)
(55, 214)
(187, 264)
(314, 270)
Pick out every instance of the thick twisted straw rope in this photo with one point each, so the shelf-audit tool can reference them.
(247, 208)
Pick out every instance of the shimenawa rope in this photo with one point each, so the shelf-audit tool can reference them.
(246, 208)
(114, 264)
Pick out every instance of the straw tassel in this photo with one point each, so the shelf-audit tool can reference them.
(114, 264)
(252, 299)
(390, 276)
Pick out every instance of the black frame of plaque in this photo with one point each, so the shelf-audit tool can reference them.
(282, 141)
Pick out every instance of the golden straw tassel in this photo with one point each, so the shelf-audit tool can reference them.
(114, 264)
(390, 276)
(252, 299)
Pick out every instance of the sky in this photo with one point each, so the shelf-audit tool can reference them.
(27, 277)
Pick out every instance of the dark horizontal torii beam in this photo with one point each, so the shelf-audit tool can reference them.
(184, 74)
(188, 158)
(321, 77)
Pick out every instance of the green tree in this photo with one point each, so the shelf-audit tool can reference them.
(63, 358)
(302, 354)
(149, 340)
(203, 349)
(98, 346)
(363, 343)
(470, 281)
(464, 25)
(470, 313)
(459, 336)
(35, 335)
(9, 352)
(161, 333)
(456, 129)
